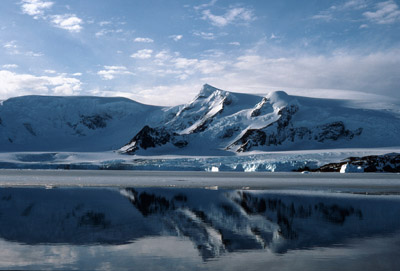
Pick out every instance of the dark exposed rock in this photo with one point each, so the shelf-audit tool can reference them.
(229, 132)
(94, 219)
(149, 138)
(180, 143)
(29, 128)
(373, 163)
(334, 131)
(95, 121)
(252, 138)
(203, 126)
(154, 137)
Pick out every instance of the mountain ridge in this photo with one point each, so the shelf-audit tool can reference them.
(218, 121)
(215, 122)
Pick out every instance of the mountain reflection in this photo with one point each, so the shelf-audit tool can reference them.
(215, 221)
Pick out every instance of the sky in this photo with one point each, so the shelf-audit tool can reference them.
(161, 52)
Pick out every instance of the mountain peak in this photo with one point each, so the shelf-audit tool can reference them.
(206, 91)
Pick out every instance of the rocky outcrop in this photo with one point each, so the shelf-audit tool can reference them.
(95, 121)
(153, 137)
(373, 163)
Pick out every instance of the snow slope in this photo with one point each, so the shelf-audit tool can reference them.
(41, 123)
(215, 123)
(219, 122)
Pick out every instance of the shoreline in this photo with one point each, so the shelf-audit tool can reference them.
(350, 182)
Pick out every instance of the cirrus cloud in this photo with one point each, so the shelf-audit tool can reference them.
(144, 40)
(386, 13)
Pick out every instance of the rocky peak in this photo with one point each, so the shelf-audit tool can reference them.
(206, 91)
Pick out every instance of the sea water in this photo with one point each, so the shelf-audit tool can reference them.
(65, 220)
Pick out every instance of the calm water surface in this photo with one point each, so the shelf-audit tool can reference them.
(187, 228)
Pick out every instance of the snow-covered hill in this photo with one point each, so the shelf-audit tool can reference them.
(216, 122)
(42, 123)
(221, 122)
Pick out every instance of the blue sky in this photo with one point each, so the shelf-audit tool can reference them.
(162, 52)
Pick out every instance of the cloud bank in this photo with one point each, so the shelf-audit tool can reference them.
(16, 84)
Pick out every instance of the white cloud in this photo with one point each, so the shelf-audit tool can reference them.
(35, 8)
(312, 75)
(202, 6)
(323, 16)
(77, 74)
(182, 67)
(103, 23)
(144, 40)
(375, 73)
(162, 94)
(14, 84)
(13, 48)
(104, 32)
(236, 43)
(233, 15)
(163, 55)
(10, 66)
(354, 4)
(10, 45)
(110, 72)
(142, 54)
(332, 12)
(205, 35)
(176, 37)
(33, 54)
(50, 71)
(386, 13)
(68, 22)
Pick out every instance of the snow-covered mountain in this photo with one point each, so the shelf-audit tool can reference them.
(42, 123)
(218, 121)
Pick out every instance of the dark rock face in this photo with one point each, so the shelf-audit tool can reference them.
(372, 163)
(149, 138)
(334, 131)
(95, 121)
(29, 128)
(154, 137)
(252, 138)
